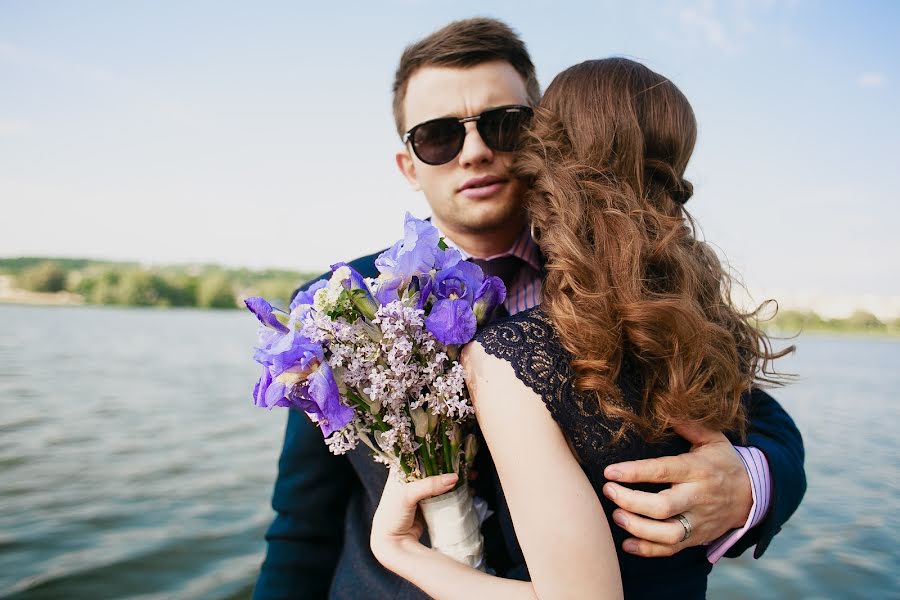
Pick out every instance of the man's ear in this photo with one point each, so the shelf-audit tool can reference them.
(408, 167)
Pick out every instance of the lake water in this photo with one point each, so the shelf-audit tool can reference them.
(133, 464)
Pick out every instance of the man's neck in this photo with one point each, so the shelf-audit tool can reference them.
(482, 244)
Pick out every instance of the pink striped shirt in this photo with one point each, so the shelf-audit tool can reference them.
(525, 292)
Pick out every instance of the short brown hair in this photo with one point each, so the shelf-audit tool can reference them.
(464, 43)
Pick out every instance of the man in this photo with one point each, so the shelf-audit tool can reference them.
(479, 73)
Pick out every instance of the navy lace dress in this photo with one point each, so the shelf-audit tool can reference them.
(529, 342)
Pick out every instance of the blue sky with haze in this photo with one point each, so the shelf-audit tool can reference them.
(261, 134)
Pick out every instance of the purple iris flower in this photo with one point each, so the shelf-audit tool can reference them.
(452, 320)
(361, 295)
(325, 398)
(489, 296)
(412, 255)
(269, 393)
(306, 296)
(265, 312)
(461, 280)
(424, 293)
(286, 352)
(317, 395)
(388, 290)
(261, 387)
(444, 259)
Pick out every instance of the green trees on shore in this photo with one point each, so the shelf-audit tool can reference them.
(130, 284)
(47, 276)
(211, 286)
(861, 321)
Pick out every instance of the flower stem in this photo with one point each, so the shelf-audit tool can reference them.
(428, 458)
(448, 458)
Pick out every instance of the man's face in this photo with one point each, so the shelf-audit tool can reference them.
(460, 203)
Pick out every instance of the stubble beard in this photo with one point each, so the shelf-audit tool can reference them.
(485, 220)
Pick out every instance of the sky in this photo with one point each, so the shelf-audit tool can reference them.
(261, 134)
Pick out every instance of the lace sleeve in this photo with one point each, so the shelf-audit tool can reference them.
(528, 342)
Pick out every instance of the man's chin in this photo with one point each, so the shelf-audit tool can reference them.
(489, 216)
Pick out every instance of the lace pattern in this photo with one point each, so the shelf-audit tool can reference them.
(529, 343)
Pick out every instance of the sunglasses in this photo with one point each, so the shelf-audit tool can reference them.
(438, 141)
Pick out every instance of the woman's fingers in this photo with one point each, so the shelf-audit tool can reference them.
(395, 518)
(418, 490)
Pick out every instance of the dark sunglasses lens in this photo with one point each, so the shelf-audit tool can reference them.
(438, 142)
(501, 129)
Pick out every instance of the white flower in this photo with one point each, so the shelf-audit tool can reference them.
(327, 299)
(343, 440)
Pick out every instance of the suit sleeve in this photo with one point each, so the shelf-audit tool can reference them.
(774, 433)
(310, 501)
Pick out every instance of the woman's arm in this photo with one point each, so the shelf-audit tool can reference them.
(559, 522)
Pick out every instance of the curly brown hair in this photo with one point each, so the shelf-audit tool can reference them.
(628, 283)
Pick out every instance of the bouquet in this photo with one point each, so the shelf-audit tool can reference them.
(375, 361)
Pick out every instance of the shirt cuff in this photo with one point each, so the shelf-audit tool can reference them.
(761, 489)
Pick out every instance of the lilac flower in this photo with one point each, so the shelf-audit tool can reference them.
(265, 312)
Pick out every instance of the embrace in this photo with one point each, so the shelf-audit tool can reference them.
(627, 443)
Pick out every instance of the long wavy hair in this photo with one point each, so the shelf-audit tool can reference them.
(629, 284)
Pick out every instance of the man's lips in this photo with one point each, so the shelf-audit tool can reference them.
(482, 187)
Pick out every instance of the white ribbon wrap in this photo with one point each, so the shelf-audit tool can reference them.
(454, 526)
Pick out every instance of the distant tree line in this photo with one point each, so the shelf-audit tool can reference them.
(130, 284)
(861, 321)
(212, 286)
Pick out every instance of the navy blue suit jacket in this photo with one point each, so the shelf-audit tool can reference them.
(318, 544)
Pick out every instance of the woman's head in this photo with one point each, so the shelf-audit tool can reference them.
(620, 117)
(627, 280)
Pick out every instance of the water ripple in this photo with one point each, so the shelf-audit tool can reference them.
(138, 467)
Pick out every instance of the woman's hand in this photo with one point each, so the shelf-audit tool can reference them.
(396, 524)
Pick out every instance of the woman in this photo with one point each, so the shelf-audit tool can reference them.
(636, 333)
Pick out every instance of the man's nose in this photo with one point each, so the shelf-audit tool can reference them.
(474, 150)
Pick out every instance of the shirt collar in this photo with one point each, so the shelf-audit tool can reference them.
(524, 248)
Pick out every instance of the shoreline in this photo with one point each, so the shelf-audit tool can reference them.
(68, 299)
(9, 294)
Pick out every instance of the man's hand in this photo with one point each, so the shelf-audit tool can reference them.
(710, 487)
